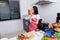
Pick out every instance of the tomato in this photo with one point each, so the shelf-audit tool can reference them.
(23, 37)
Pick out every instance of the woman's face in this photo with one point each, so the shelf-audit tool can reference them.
(32, 11)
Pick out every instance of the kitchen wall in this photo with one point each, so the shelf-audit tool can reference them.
(49, 12)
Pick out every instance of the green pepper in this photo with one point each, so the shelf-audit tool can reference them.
(45, 38)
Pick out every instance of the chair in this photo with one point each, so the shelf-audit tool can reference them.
(42, 26)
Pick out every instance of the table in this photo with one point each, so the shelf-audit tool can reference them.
(14, 38)
(4, 39)
(38, 35)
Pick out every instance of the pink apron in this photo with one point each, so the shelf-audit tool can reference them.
(33, 26)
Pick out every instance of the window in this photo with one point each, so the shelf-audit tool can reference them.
(9, 10)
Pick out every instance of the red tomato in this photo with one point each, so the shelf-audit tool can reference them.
(23, 37)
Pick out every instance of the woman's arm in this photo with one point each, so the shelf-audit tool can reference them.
(30, 19)
(33, 21)
(36, 22)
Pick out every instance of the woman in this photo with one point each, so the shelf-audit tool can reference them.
(34, 18)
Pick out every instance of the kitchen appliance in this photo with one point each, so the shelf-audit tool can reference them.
(43, 2)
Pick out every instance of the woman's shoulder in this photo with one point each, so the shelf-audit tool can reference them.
(35, 15)
(38, 15)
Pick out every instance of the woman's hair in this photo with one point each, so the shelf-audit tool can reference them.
(35, 10)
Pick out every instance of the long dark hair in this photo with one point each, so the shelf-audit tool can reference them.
(35, 10)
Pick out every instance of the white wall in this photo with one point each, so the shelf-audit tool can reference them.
(49, 12)
(10, 26)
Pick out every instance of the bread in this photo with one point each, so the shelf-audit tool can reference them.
(29, 35)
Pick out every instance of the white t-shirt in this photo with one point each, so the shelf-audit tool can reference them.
(36, 16)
